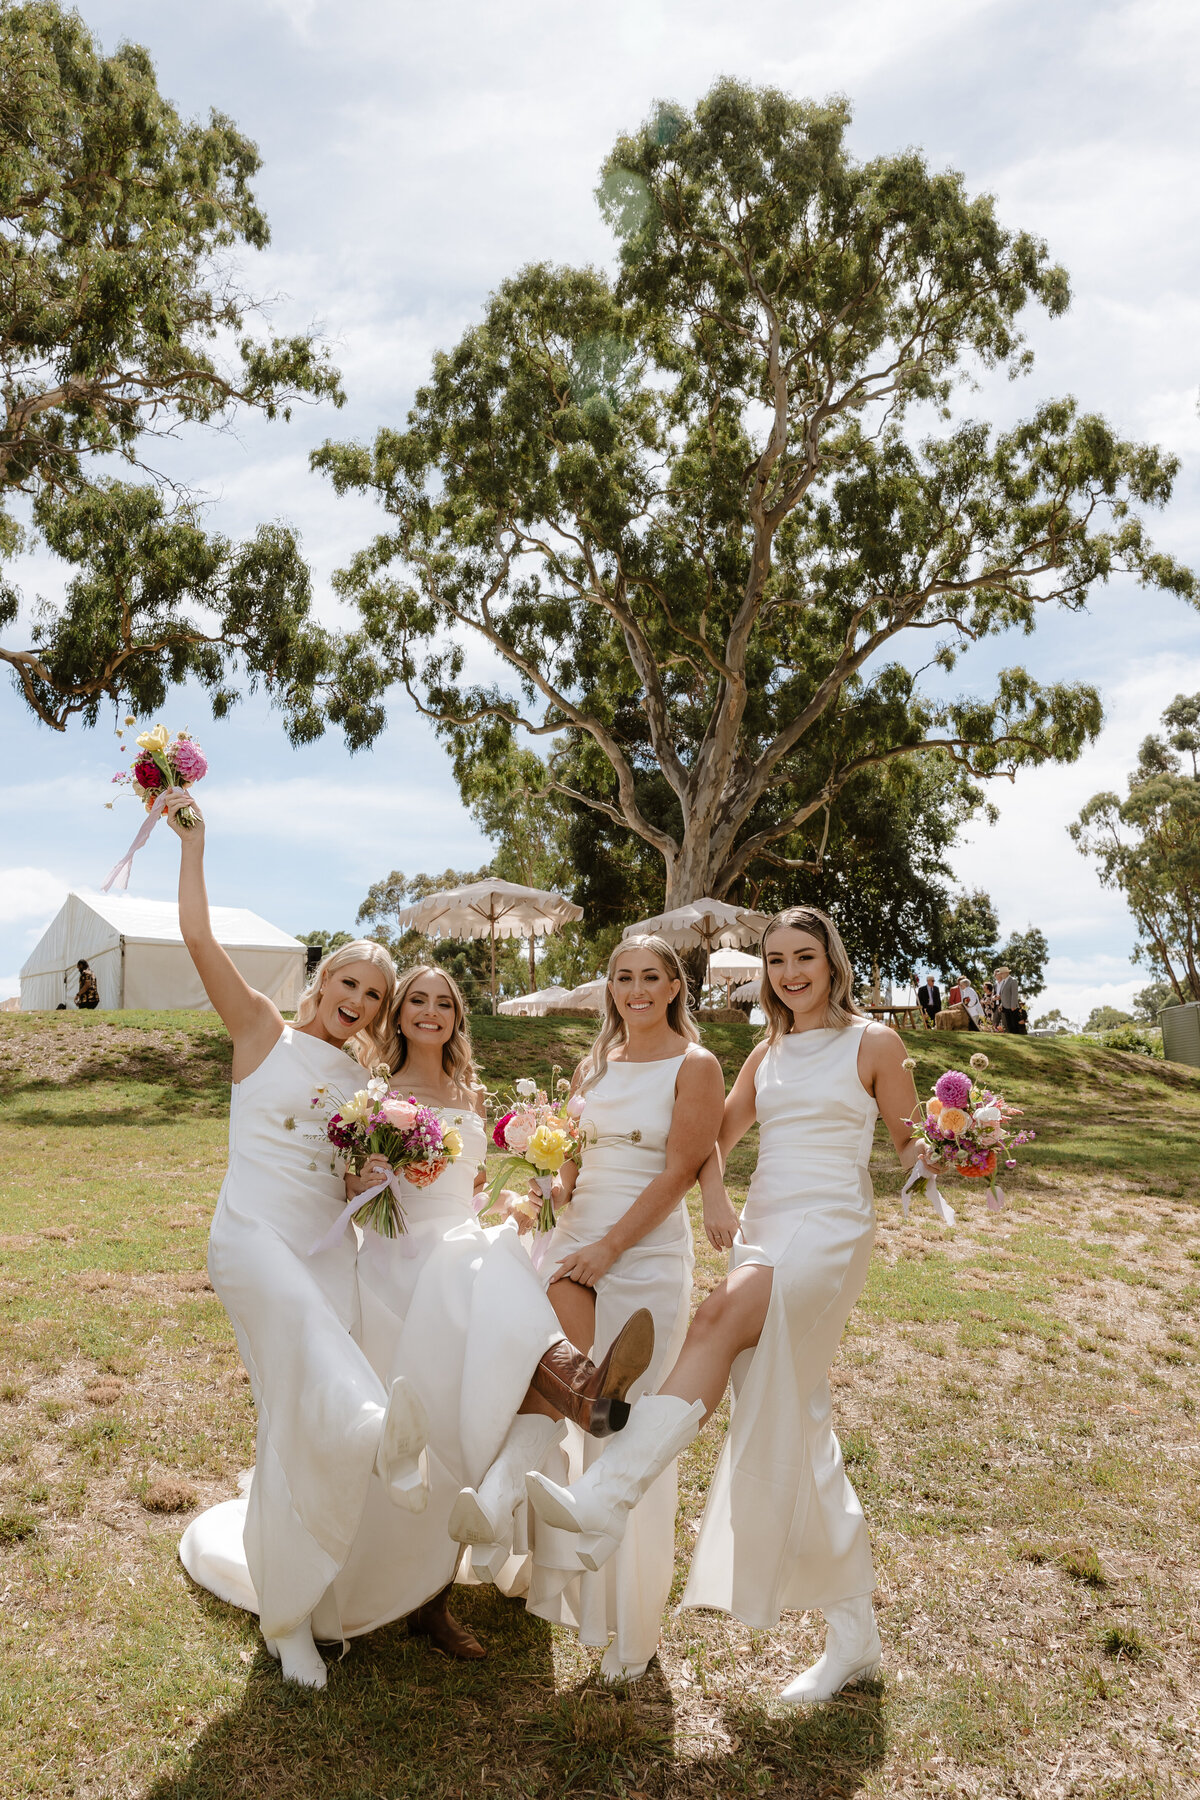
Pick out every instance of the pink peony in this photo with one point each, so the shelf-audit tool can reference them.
(188, 760)
(401, 1115)
(147, 774)
(498, 1132)
(953, 1089)
(518, 1133)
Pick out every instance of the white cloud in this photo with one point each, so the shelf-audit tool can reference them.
(30, 894)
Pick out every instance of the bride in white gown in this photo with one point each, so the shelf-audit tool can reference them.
(321, 1407)
(782, 1527)
(651, 1098)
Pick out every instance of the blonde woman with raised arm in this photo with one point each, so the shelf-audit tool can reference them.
(650, 1098)
(782, 1527)
(328, 1429)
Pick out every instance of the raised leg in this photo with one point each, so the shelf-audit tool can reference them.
(728, 1322)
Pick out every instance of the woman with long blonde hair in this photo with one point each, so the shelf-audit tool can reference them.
(649, 1097)
(332, 1436)
(457, 1312)
(782, 1527)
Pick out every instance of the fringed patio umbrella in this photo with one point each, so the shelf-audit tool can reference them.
(490, 909)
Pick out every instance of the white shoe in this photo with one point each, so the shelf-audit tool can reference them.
(400, 1460)
(613, 1670)
(852, 1652)
(298, 1657)
(483, 1516)
(597, 1505)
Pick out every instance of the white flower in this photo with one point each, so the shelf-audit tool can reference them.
(377, 1088)
(987, 1115)
(526, 1088)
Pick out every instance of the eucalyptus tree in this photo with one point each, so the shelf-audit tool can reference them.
(121, 322)
(1148, 847)
(699, 495)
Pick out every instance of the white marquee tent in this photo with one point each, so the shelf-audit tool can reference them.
(138, 957)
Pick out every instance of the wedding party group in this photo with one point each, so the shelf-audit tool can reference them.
(441, 1400)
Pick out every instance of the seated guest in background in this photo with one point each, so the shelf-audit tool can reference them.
(88, 994)
(929, 999)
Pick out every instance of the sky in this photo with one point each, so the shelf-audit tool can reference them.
(414, 156)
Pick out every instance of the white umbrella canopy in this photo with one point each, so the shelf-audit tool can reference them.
(533, 1005)
(588, 997)
(749, 990)
(490, 909)
(703, 925)
(734, 962)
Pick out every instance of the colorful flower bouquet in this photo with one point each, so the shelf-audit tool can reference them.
(962, 1132)
(540, 1135)
(162, 762)
(376, 1121)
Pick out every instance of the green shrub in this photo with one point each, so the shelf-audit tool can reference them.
(1140, 1042)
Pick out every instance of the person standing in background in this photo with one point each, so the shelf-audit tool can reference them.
(1009, 994)
(929, 999)
(88, 994)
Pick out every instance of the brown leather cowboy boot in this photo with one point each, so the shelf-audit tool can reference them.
(436, 1622)
(592, 1395)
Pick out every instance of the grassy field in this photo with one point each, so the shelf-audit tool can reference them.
(1016, 1399)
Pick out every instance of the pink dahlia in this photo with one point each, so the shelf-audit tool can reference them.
(188, 760)
(953, 1089)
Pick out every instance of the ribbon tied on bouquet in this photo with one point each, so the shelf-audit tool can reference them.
(337, 1230)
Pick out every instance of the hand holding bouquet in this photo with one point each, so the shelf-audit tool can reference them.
(962, 1132)
(162, 762)
(539, 1135)
(411, 1139)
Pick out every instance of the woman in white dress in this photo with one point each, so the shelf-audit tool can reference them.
(651, 1098)
(782, 1526)
(328, 1429)
(457, 1311)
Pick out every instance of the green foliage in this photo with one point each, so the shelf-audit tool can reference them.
(1026, 953)
(118, 219)
(1150, 1001)
(1107, 1018)
(690, 513)
(1138, 1043)
(1148, 846)
(327, 941)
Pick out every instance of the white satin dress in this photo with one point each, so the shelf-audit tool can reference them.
(625, 1599)
(782, 1526)
(456, 1309)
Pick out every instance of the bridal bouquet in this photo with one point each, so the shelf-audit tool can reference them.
(162, 762)
(376, 1121)
(962, 1132)
(540, 1135)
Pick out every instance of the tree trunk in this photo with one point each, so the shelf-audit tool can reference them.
(532, 966)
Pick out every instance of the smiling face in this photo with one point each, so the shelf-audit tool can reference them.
(350, 999)
(427, 1011)
(641, 988)
(798, 970)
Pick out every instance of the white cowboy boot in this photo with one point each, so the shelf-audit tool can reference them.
(852, 1653)
(597, 1505)
(298, 1657)
(400, 1460)
(483, 1516)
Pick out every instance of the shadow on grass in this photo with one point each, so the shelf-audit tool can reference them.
(398, 1721)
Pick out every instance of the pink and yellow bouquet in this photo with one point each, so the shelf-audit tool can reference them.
(540, 1135)
(162, 762)
(376, 1121)
(963, 1132)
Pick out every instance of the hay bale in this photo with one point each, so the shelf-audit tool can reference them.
(953, 1018)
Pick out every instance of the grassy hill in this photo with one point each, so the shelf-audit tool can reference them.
(1016, 1399)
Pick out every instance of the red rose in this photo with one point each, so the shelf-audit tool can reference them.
(147, 774)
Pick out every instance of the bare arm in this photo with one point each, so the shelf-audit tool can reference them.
(741, 1105)
(881, 1059)
(698, 1092)
(251, 1020)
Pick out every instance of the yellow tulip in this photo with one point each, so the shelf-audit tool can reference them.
(452, 1144)
(158, 739)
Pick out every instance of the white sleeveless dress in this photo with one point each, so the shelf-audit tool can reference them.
(627, 1596)
(782, 1526)
(456, 1309)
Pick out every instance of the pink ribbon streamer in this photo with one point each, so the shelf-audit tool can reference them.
(120, 872)
(335, 1233)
